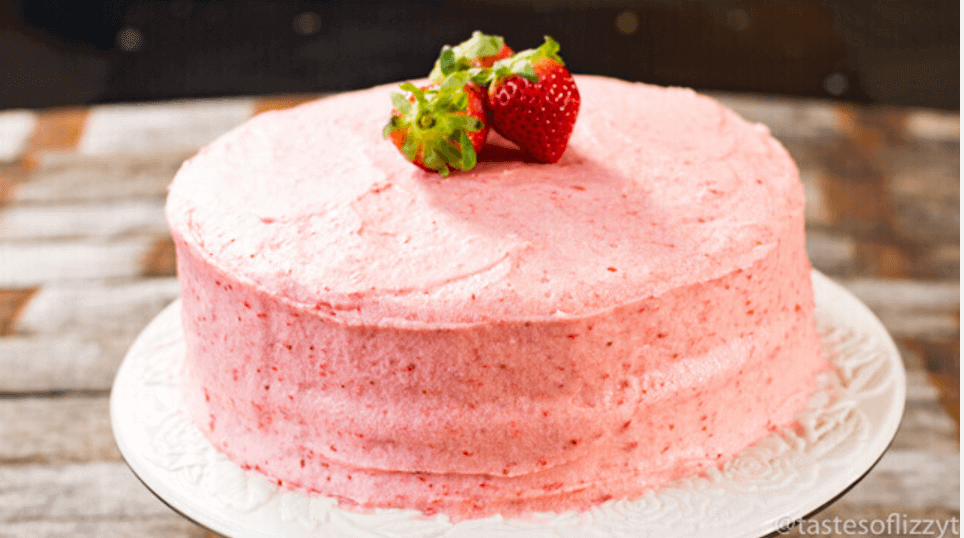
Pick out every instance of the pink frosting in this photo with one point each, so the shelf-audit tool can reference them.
(521, 337)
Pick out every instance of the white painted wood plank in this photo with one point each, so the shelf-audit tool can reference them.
(945, 258)
(926, 220)
(56, 430)
(96, 309)
(74, 491)
(16, 126)
(147, 128)
(830, 253)
(98, 220)
(901, 295)
(68, 177)
(926, 326)
(167, 526)
(815, 209)
(935, 125)
(913, 480)
(927, 427)
(73, 336)
(931, 175)
(23, 265)
(32, 364)
(919, 386)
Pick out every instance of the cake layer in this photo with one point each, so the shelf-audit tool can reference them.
(523, 336)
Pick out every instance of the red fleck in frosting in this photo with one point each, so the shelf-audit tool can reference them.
(515, 338)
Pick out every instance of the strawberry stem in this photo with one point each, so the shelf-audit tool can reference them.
(436, 125)
(426, 121)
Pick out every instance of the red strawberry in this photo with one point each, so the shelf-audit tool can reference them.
(533, 101)
(440, 126)
(479, 51)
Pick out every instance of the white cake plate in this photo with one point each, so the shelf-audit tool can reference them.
(791, 474)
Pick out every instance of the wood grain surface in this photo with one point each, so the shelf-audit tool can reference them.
(86, 262)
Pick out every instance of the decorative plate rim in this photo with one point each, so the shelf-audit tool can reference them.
(787, 476)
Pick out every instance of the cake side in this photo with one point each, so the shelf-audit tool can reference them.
(521, 337)
(463, 425)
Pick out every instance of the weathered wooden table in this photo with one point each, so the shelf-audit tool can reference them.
(86, 262)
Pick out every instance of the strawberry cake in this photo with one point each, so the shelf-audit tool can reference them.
(519, 337)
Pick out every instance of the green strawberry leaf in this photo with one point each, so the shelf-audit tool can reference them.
(401, 103)
(465, 122)
(520, 63)
(525, 70)
(550, 49)
(469, 158)
(459, 122)
(461, 101)
(434, 161)
(450, 153)
(410, 148)
(416, 92)
(447, 61)
(453, 82)
(477, 46)
(480, 45)
(390, 128)
(481, 76)
(444, 102)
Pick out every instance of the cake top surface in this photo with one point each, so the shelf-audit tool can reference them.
(659, 188)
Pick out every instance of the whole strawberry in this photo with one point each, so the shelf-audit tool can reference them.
(479, 51)
(442, 126)
(533, 101)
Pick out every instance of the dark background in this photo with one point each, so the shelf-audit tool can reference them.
(65, 52)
